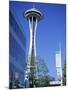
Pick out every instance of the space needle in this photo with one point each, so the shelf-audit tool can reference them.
(33, 16)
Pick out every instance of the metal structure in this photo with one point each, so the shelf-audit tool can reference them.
(33, 16)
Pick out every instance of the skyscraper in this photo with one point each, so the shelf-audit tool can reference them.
(59, 65)
(17, 50)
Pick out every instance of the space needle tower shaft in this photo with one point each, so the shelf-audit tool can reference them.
(33, 16)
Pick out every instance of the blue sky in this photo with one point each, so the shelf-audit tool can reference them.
(51, 30)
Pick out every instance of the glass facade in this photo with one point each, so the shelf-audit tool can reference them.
(17, 52)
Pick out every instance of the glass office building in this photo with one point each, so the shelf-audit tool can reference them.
(17, 51)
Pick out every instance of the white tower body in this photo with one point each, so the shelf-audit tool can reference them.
(59, 65)
(33, 16)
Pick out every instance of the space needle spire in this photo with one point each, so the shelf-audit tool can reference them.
(33, 16)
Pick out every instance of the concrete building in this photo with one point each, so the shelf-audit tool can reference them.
(59, 65)
(58, 59)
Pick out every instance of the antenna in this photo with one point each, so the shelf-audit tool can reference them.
(59, 46)
(33, 5)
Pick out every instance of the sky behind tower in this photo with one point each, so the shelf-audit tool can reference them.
(51, 30)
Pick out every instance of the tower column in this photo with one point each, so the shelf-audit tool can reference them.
(33, 27)
(32, 49)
